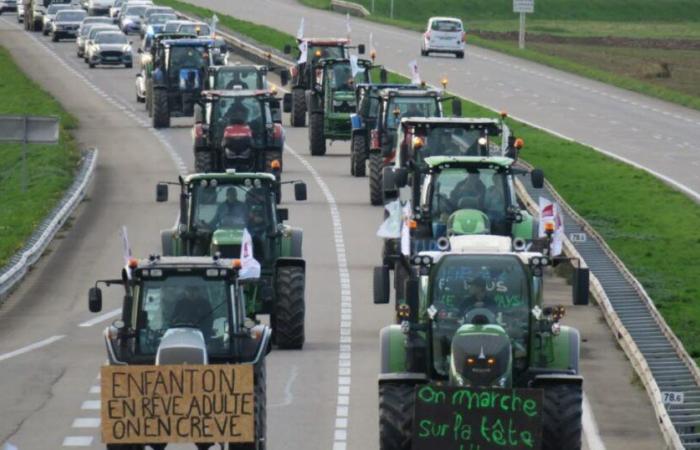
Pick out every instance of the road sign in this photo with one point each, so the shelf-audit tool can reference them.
(577, 238)
(673, 398)
(524, 6)
(28, 130)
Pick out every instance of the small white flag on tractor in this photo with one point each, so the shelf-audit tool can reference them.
(126, 251)
(250, 267)
(214, 22)
(303, 49)
(550, 216)
(348, 28)
(405, 230)
(354, 67)
(300, 31)
(372, 50)
(391, 227)
(415, 76)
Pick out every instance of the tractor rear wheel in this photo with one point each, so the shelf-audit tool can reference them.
(260, 411)
(298, 114)
(358, 155)
(395, 416)
(203, 161)
(562, 417)
(376, 165)
(317, 139)
(289, 308)
(161, 114)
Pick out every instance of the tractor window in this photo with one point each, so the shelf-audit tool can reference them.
(449, 141)
(340, 77)
(409, 107)
(318, 53)
(479, 290)
(199, 29)
(242, 111)
(239, 206)
(183, 301)
(482, 189)
(240, 78)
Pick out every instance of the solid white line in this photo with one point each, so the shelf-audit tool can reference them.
(31, 347)
(590, 427)
(95, 389)
(101, 318)
(86, 422)
(77, 441)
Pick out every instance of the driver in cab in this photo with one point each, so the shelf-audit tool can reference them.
(232, 212)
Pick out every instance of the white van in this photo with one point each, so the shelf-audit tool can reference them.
(444, 35)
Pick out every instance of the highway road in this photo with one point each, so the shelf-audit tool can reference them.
(319, 398)
(659, 136)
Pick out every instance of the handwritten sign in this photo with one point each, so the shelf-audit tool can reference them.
(451, 418)
(170, 404)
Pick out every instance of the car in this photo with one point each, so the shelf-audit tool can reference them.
(145, 19)
(156, 23)
(130, 17)
(50, 15)
(444, 35)
(84, 29)
(90, 37)
(198, 28)
(8, 5)
(110, 48)
(115, 8)
(172, 25)
(20, 12)
(99, 7)
(66, 24)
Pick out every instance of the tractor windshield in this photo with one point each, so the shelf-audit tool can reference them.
(183, 301)
(479, 290)
(340, 77)
(187, 57)
(399, 107)
(228, 206)
(238, 78)
(448, 140)
(317, 53)
(455, 189)
(242, 111)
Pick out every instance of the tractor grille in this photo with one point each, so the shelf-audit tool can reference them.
(230, 251)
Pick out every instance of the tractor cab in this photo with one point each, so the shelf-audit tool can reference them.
(237, 76)
(316, 49)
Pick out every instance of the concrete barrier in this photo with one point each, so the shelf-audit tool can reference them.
(354, 9)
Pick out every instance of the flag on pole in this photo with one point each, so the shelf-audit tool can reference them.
(250, 267)
(550, 212)
(405, 231)
(391, 227)
(303, 49)
(354, 66)
(348, 28)
(126, 251)
(300, 31)
(214, 22)
(415, 76)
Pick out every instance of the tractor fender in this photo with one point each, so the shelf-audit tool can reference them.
(548, 379)
(392, 350)
(297, 237)
(167, 239)
(288, 261)
(278, 136)
(404, 377)
(525, 229)
(158, 78)
(356, 122)
(566, 350)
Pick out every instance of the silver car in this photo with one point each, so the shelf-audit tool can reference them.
(110, 48)
(66, 24)
(90, 37)
(130, 18)
(20, 12)
(50, 15)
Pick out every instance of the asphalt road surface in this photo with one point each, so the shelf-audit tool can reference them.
(654, 134)
(322, 397)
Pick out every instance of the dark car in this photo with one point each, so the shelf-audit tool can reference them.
(66, 24)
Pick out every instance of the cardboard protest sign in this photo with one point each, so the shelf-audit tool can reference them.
(453, 418)
(170, 404)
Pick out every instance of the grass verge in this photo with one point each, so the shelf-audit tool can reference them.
(649, 225)
(50, 169)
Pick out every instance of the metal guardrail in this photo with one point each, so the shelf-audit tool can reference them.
(23, 260)
(349, 7)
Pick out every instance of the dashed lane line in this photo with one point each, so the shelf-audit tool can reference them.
(30, 347)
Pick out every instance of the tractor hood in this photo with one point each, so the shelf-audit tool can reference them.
(227, 236)
(481, 356)
(463, 222)
(343, 102)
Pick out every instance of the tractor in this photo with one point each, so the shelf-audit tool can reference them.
(187, 310)
(176, 80)
(303, 75)
(474, 320)
(238, 129)
(216, 212)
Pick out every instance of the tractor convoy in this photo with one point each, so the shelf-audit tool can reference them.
(464, 263)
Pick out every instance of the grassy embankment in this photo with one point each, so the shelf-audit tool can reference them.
(562, 34)
(50, 168)
(651, 227)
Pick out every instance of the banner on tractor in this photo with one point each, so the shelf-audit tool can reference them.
(550, 213)
(177, 404)
(453, 418)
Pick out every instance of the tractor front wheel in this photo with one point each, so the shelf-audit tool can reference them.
(317, 139)
(376, 165)
(395, 416)
(358, 155)
(289, 309)
(161, 114)
(260, 412)
(298, 114)
(203, 161)
(562, 417)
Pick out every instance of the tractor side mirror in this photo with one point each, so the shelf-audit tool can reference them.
(95, 300)
(361, 49)
(381, 285)
(161, 192)
(198, 113)
(412, 297)
(300, 191)
(282, 214)
(383, 76)
(287, 103)
(284, 77)
(456, 107)
(401, 177)
(287, 49)
(581, 286)
(537, 178)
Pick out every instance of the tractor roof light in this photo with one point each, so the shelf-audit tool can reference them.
(412, 224)
(418, 142)
(275, 164)
(317, 53)
(404, 311)
(504, 115)
(444, 82)
(273, 90)
(236, 264)
(133, 263)
(549, 227)
(397, 112)
(519, 143)
(373, 55)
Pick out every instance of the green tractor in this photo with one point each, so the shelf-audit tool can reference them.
(474, 322)
(216, 212)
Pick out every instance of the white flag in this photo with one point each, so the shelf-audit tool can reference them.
(303, 49)
(214, 22)
(405, 231)
(391, 227)
(250, 267)
(354, 66)
(126, 251)
(415, 76)
(372, 50)
(550, 212)
(300, 31)
(348, 28)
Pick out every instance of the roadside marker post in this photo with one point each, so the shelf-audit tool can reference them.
(28, 130)
(523, 7)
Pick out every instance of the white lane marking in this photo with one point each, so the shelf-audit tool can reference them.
(77, 441)
(86, 422)
(590, 427)
(101, 318)
(95, 389)
(30, 347)
(91, 405)
(288, 395)
(345, 346)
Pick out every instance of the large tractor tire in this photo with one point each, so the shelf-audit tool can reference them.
(289, 308)
(260, 411)
(562, 417)
(376, 165)
(358, 155)
(395, 416)
(298, 115)
(204, 161)
(161, 113)
(317, 138)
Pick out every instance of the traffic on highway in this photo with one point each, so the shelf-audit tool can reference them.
(384, 278)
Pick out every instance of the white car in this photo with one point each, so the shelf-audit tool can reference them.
(99, 7)
(20, 12)
(444, 35)
(8, 5)
(50, 15)
(109, 48)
